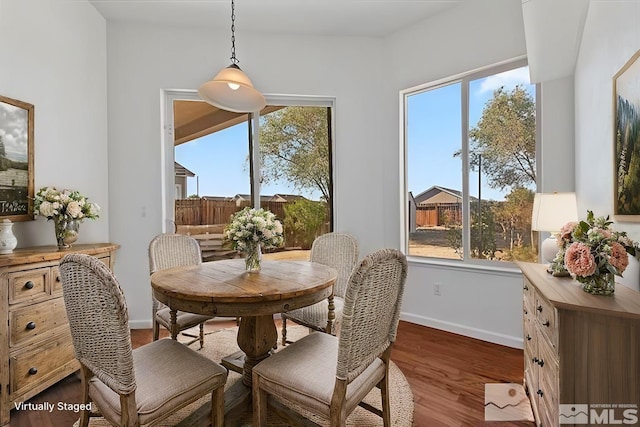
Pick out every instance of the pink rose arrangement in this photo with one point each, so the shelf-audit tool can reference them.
(590, 249)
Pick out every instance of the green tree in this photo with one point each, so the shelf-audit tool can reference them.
(294, 147)
(482, 234)
(513, 216)
(303, 220)
(504, 140)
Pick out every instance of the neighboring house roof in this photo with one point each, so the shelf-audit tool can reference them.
(411, 198)
(181, 170)
(247, 197)
(217, 198)
(435, 190)
(287, 198)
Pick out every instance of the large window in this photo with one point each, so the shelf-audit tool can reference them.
(280, 159)
(470, 156)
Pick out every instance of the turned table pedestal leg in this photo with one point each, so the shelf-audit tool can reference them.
(256, 337)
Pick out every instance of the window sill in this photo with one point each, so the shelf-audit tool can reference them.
(511, 269)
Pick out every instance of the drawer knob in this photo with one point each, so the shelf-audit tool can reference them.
(33, 370)
(31, 325)
(29, 285)
(539, 393)
(539, 308)
(528, 337)
(286, 307)
(534, 360)
(57, 278)
(526, 288)
(526, 312)
(541, 362)
(546, 323)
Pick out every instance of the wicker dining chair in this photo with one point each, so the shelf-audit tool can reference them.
(168, 251)
(359, 357)
(337, 250)
(130, 387)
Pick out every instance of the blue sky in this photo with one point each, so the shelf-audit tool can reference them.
(220, 162)
(220, 159)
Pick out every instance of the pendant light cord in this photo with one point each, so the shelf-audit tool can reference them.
(233, 32)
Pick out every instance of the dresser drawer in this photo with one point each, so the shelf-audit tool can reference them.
(546, 317)
(528, 290)
(548, 377)
(56, 281)
(31, 368)
(36, 321)
(28, 285)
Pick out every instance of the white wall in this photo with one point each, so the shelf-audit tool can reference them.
(610, 38)
(145, 59)
(54, 57)
(475, 302)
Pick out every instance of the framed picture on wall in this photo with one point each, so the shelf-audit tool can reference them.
(626, 127)
(16, 159)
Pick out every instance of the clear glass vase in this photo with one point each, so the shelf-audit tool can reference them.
(600, 284)
(253, 258)
(66, 232)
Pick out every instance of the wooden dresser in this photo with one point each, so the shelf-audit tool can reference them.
(580, 350)
(35, 342)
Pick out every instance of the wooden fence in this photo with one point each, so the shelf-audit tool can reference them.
(439, 214)
(206, 212)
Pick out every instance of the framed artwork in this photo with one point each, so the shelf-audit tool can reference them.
(16, 160)
(626, 127)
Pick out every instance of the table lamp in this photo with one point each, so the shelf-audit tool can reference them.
(551, 211)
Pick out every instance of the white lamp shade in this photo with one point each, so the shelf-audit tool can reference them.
(232, 90)
(551, 211)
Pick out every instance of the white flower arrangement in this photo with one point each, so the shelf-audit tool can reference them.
(52, 203)
(250, 227)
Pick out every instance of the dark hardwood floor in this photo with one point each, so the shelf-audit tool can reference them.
(446, 372)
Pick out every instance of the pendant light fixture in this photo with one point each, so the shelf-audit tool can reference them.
(231, 89)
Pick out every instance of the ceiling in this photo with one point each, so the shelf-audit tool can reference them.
(371, 18)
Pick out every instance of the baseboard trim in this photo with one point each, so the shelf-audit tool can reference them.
(481, 334)
(140, 324)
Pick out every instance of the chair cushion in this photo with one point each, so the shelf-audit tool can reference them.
(315, 316)
(184, 320)
(169, 375)
(304, 372)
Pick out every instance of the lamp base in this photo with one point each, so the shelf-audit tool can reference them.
(549, 249)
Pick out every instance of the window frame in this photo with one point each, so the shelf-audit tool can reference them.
(167, 154)
(464, 79)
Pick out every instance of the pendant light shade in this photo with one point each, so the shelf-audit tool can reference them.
(232, 90)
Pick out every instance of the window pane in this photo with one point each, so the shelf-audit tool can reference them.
(213, 176)
(434, 172)
(502, 162)
(219, 162)
(296, 173)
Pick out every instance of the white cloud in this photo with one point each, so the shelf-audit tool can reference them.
(13, 131)
(508, 79)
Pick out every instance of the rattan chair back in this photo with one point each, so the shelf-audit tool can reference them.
(371, 311)
(337, 250)
(173, 250)
(98, 319)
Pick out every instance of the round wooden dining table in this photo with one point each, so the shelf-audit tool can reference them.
(224, 288)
